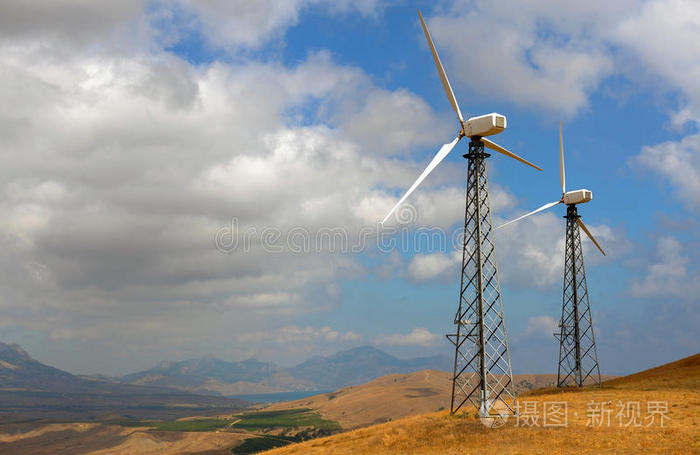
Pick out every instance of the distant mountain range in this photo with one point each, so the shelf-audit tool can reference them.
(351, 367)
(31, 390)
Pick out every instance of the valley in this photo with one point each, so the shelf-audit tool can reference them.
(397, 413)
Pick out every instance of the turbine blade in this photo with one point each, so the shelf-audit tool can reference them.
(498, 148)
(562, 174)
(588, 233)
(441, 154)
(544, 207)
(441, 70)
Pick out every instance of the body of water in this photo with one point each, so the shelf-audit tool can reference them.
(279, 396)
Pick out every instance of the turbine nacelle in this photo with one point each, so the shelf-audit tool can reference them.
(577, 197)
(484, 125)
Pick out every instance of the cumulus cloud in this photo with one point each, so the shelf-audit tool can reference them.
(119, 167)
(665, 36)
(119, 163)
(554, 55)
(417, 337)
(74, 23)
(672, 275)
(653, 35)
(382, 125)
(535, 248)
(544, 54)
(427, 267)
(540, 326)
(293, 334)
(679, 164)
(249, 24)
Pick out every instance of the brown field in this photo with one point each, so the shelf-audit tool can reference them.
(438, 433)
(395, 396)
(387, 398)
(100, 439)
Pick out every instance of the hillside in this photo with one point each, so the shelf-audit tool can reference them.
(359, 365)
(683, 373)
(395, 396)
(99, 439)
(32, 390)
(675, 384)
(211, 375)
(389, 397)
(19, 371)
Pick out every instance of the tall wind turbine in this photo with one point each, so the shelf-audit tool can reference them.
(578, 359)
(482, 371)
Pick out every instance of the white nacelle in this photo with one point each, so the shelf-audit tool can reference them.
(578, 197)
(485, 125)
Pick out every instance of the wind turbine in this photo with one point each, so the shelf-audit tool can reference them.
(475, 128)
(578, 359)
(482, 370)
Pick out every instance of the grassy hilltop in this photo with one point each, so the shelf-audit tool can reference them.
(677, 384)
(398, 414)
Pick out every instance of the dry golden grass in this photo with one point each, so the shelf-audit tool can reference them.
(99, 439)
(439, 433)
(392, 397)
(386, 398)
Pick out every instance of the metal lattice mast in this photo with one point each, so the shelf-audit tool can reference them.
(482, 371)
(578, 359)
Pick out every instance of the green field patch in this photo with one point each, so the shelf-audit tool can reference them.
(260, 444)
(288, 418)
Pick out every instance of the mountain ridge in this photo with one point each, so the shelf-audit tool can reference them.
(341, 369)
(31, 390)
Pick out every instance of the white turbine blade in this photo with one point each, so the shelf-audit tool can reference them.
(441, 154)
(588, 233)
(498, 148)
(562, 174)
(544, 207)
(441, 70)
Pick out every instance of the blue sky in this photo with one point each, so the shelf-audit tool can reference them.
(129, 143)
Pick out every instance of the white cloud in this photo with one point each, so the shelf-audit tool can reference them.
(390, 122)
(120, 167)
(541, 326)
(542, 54)
(553, 55)
(535, 248)
(428, 267)
(679, 164)
(296, 334)
(671, 276)
(665, 36)
(72, 23)
(243, 23)
(417, 337)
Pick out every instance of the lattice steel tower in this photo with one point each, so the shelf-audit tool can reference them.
(578, 359)
(482, 370)
(482, 373)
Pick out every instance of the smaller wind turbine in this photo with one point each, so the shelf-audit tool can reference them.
(578, 359)
(570, 199)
